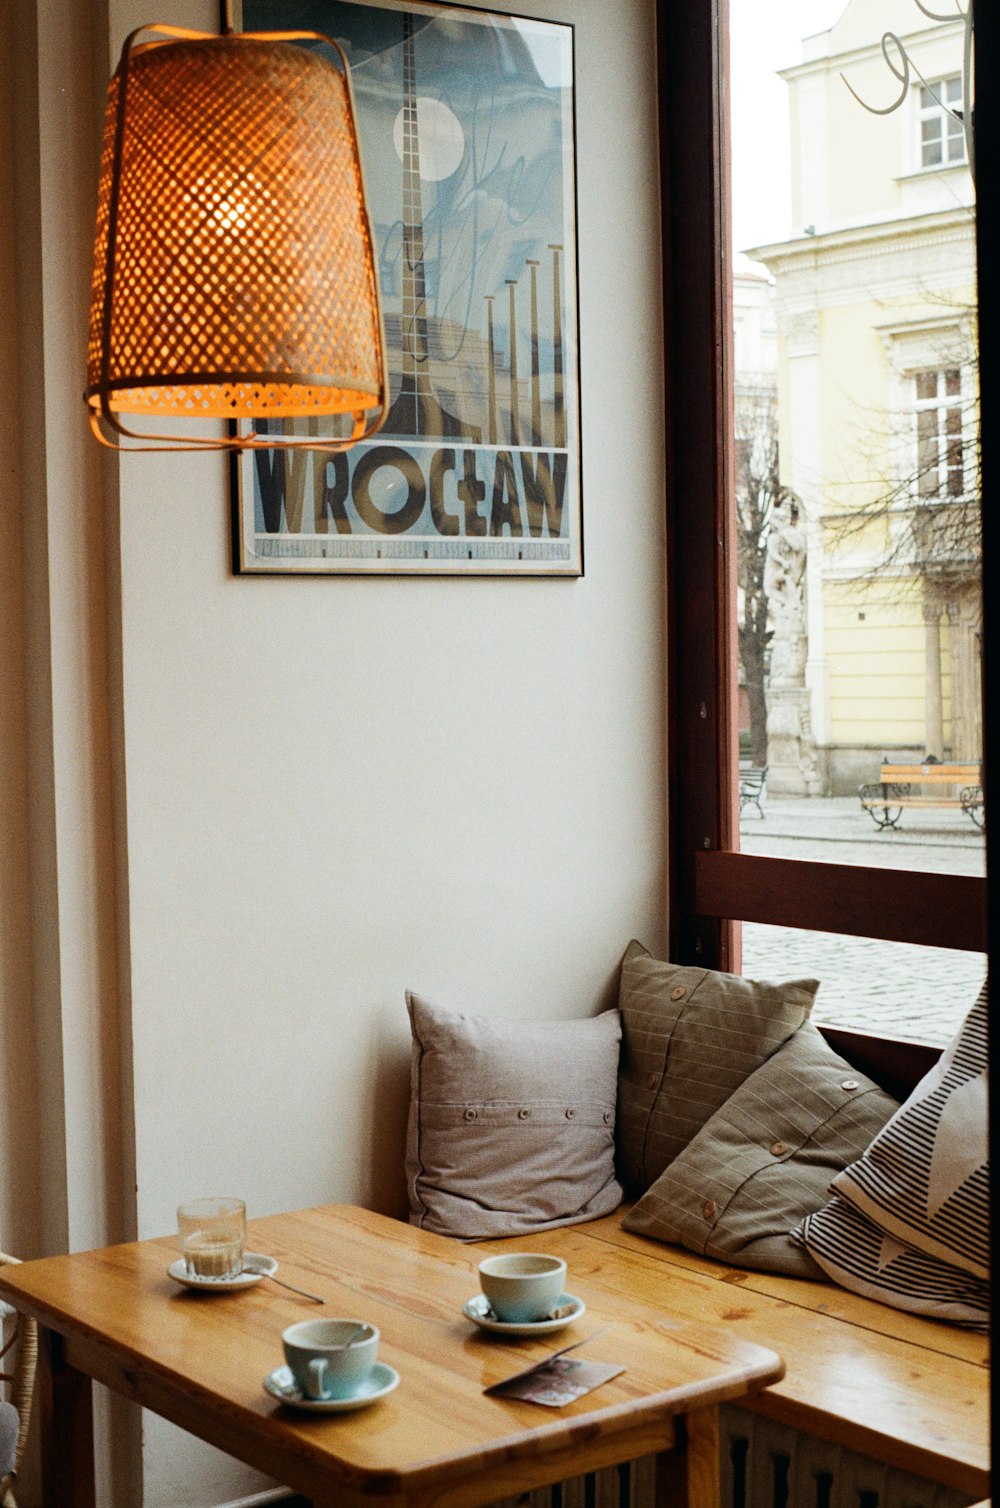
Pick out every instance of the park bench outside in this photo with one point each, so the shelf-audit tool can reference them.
(753, 784)
(934, 783)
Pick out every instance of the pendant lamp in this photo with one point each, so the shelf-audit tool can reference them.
(234, 274)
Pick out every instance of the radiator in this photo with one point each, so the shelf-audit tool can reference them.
(631, 1485)
(762, 1465)
(767, 1465)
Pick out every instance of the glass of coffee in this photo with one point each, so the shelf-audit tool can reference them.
(213, 1234)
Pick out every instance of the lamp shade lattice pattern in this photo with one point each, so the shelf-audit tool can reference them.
(233, 268)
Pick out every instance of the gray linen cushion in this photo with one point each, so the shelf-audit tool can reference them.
(909, 1220)
(689, 1039)
(511, 1124)
(765, 1159)
(10, 1426)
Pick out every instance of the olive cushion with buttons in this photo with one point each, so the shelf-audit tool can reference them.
(511, 1126)
(766, 1159)
(689, 1039)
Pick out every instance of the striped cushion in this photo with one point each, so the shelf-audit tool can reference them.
(910, 1218)
(766, 1158)
(925, 1178)
(689, 1039)
(853, 1251)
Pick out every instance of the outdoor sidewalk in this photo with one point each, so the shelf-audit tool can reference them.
(898, 989)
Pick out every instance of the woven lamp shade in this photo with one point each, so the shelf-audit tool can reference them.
(234, 276)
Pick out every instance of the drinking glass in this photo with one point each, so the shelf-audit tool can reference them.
(213, 1234)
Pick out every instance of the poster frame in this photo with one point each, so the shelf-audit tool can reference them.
(489, 492)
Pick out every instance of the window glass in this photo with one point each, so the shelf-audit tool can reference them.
(888, 989)
(942, 139)
(856, 449)
(940, 438)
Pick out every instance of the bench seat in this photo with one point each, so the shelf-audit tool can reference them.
(956, 786)
(910, 1392)
(753, 784)
(938, 801)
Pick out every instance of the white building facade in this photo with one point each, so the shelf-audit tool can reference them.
(875, 313)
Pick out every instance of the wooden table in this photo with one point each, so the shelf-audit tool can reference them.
(199, 1360)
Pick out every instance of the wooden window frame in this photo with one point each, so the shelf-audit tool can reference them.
(712, 885)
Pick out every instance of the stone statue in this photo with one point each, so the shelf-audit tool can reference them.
(784, 583)
(791, 752)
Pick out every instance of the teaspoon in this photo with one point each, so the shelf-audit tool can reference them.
(313, 1297)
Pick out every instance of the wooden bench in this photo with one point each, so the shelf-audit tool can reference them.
(907, 1392)
(954, 785)
(753, 783)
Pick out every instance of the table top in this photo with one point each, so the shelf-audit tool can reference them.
(197, 1357)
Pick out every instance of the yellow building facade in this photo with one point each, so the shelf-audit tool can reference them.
(877, 401)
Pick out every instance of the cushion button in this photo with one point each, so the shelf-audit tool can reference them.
(570, 1114)
(523, 1115)
(708, 1208)
(779, 1148)
(651, 1080)
(678, 992)
(607, 1117)
(849, 1084)
(470, 1115)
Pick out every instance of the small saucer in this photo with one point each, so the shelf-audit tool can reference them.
(255, 1267)
(479, 1312)
(282, 1385)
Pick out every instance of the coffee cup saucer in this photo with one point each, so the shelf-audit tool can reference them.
(479, 1312)
(255, 1267)
(381, 1379)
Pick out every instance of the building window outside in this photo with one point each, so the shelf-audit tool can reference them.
(940, 451)
(942, 139)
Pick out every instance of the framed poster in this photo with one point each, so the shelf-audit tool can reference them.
(466, 125)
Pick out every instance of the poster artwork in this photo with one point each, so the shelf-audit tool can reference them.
(466, 126)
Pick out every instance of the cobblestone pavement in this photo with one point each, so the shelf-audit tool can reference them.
(899, 989)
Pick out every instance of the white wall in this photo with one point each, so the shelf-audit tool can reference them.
(325, 791)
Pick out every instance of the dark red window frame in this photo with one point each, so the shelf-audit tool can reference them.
(713, 886)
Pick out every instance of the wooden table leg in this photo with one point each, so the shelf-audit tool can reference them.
(66, 1424)
(688, 1476)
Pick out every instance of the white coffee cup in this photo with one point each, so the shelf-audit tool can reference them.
(322, 1365)
(522, 1286)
